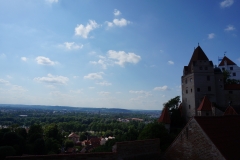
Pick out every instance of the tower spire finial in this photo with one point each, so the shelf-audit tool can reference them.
(198, 43)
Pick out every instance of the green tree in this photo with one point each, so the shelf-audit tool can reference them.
(14, 140)
(69, 143)
(6, 151)
(35, 132)
(172, 103)
(39, 147)
(157, 130)
(226, 76)
(52, 131)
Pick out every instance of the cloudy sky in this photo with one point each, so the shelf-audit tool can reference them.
(111, 53)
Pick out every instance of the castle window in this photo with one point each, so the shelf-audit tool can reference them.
(231, 68)
(234, 74)
(187, 132)
(230, 92)
(198, 89)
(189, 106)
(191, 90)
(200, 68)
(206, 68)
(207, 113)
(208, 78)
(223, 69)
(186, 91)
(186, 80)
(209, 88)
(190, 79)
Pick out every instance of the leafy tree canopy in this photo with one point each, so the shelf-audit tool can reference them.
(172, 103)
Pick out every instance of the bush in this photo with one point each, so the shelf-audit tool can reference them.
(6, 151)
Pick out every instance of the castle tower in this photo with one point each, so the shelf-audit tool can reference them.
(200, 79)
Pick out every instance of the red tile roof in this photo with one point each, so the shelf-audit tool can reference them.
(232, 87)
(205, 105)
(224, 132)
(73, 135)
(230, 111)
(229, 62)
(165, 117)
(180, 108)
(198, 54)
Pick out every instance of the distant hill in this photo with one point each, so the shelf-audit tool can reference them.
(77, 109)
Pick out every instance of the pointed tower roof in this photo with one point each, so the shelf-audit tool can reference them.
(198, 54)
(229, 62)
(230, 111)
(205, 105)
(165, 117)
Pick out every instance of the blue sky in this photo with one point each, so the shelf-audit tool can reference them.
(112, 53)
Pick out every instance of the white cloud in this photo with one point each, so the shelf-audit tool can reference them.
(110, 24)
(2, 81)
(11, 88)
(230, 28)
(17, 88)
(75, 77)
(116, 12)
(163, 88)
(123, 57)
(226, 3)
(170, 62)
(23, 58)
(94, 76)
(145, 93)
(72, 46)
(120, 22)
(51, 1)
(52, 79)
(101, 62)
(137, 92)
(91, 87)
(104, 83)
(83, 31)
(44, 61)
(79, 91)
(138, 99)
(104, 93)
(211, 36)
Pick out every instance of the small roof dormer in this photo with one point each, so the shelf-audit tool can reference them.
(205, 105)
(230, 111)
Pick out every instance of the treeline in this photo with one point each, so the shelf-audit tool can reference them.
(48, 131)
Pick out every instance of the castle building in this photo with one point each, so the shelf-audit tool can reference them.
(227, 65)
(202, 82)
